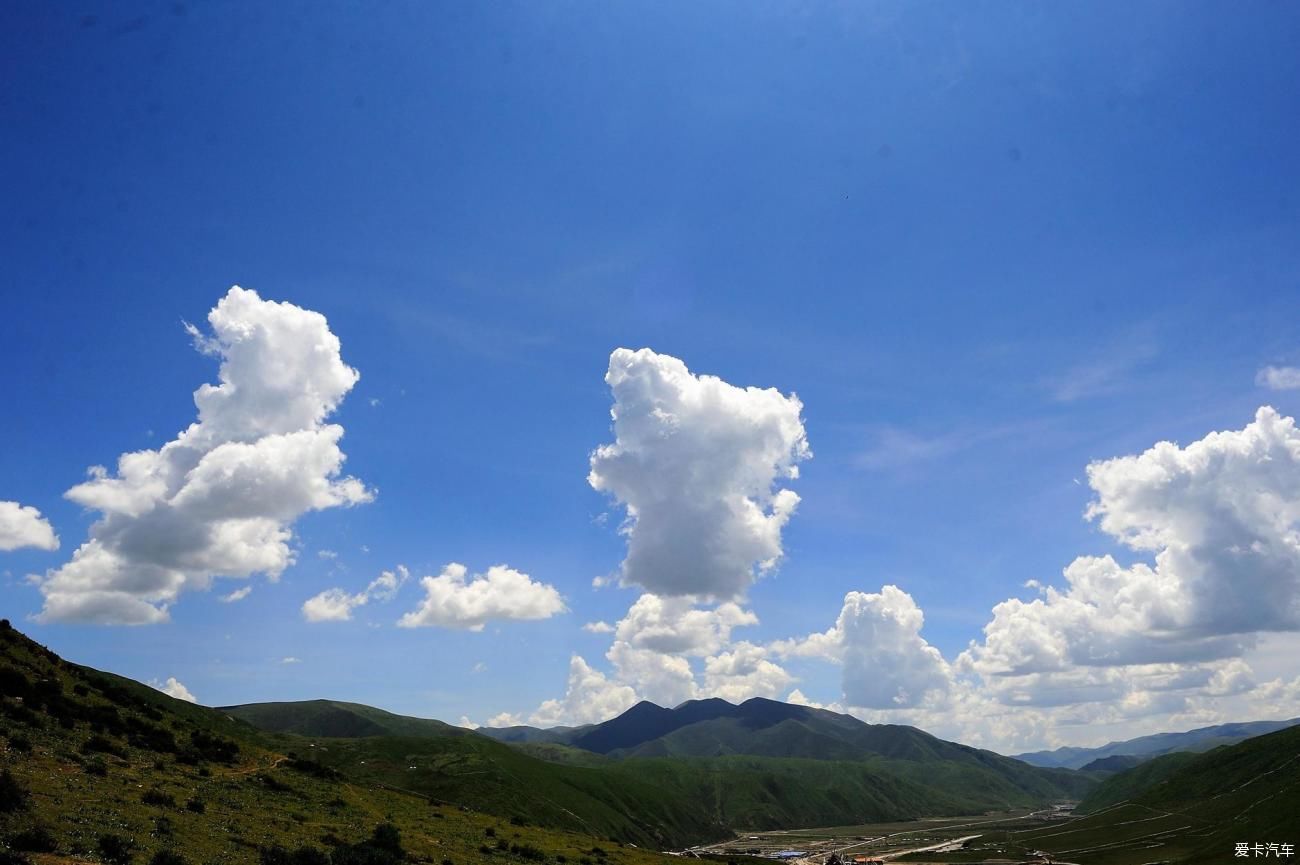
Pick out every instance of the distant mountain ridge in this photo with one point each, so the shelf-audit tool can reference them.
(1146, 747)
(760, 764)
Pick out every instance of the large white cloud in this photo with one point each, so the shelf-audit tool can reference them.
(696, 463)
(336, 605)
(453, 601)
(23, 526)
(1221, 520)
(877, 638)
(220, 499)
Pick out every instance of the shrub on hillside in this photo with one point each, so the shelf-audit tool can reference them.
(154, 796)
(13, 795)
(13, 857)
(114, 849)
(167, 857)
(34, 839)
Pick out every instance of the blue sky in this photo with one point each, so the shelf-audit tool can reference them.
(985, 244)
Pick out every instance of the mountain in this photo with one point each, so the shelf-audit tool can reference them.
(1113, 764)
(1186, 807)
(521, 733)
(767, 728)
(96, 766)
(762, 764)
(1201, 739)
(698, 738)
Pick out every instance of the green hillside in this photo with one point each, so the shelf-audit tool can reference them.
(1181, 808)
(98, 767)
(719, 766)
(1132, 782)
(336, 719)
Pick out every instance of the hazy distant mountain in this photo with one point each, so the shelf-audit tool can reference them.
(1201, 739)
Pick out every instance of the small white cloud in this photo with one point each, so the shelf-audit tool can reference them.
(374, 402)
(504, 719)
(454, 600)
(1279, 377)
(466, 723)
(336, 605)
(479, 667)
(598, 628)
(327, 554)
(600, 582)
(332, 605)
(173, 688)
(236, 595)
(23, 526)
(290, 660)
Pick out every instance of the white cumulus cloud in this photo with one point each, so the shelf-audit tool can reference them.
(1221, 521)
(887, 663)
(221, 498)
(696, 462)
(23, 526)
(589, 699)
(454, 600)
(237, 595)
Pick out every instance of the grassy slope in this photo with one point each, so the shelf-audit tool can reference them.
(1194, 810)
(256, 798)
(335, 718)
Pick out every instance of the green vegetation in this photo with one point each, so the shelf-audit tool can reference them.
(1180, 808)
(194, 785)
(96, 765)
(759, 765)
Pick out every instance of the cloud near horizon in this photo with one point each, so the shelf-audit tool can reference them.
(1171, 637)
(220, 499)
